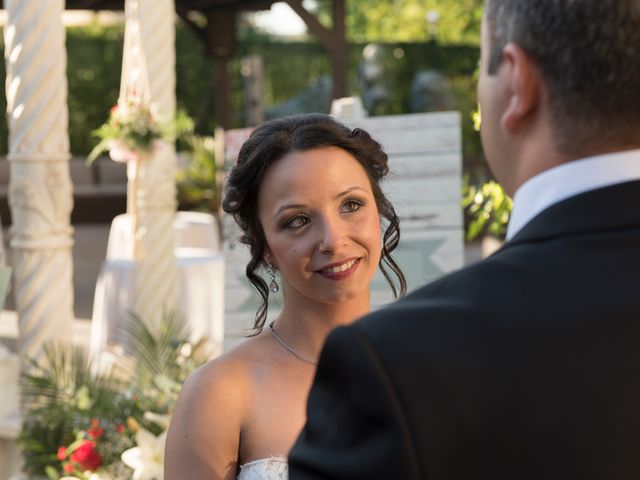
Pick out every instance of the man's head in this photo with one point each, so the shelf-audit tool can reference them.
(584, 60)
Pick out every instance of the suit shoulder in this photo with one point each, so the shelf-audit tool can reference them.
(470, 296)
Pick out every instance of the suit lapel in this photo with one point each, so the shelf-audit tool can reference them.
(605, 208)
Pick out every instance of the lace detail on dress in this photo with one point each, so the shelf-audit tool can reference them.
(274, 468)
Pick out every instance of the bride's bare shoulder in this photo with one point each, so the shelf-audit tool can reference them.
(227, 378)
(229, 372)
(204, 436)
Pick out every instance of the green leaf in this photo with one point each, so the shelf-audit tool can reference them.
(488, 208)
(52, 473)
(99, 149)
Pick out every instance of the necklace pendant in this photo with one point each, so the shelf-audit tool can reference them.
(274, 287)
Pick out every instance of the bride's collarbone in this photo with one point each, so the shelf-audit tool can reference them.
(277, 392)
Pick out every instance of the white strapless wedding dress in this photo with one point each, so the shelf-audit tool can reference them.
(274, 468)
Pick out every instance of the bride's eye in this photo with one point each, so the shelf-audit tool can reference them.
(352, 205)
(296, 222)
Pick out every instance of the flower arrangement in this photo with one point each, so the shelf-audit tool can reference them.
(82, 455)
(102, 426)
(133, 128)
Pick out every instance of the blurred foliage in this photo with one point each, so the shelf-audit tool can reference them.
(487, 208)
(198, 183)
(95, 54)
(446, 21)
(63, 393)
(306, 61)
(62, 396)
(194, 86)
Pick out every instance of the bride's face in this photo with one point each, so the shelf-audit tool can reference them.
(321, 224)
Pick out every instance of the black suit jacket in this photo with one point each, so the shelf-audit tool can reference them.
(523, 366)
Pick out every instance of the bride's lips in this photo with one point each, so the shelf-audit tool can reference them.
(340, 270)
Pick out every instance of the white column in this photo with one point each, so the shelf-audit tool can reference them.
(40, 192)
(156, 276)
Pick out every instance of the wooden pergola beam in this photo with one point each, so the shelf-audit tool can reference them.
(324, 34)
(340, 54)
(197, 29)
(334, 40)
(214, 35)
(189, 5)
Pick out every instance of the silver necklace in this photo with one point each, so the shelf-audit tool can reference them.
(288, 348)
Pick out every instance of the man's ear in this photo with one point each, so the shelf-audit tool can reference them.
(523, 82)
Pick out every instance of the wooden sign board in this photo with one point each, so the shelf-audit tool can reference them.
(423, 184)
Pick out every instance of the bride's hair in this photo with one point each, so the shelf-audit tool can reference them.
(272, 141)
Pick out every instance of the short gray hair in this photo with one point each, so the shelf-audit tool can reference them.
(589, 53)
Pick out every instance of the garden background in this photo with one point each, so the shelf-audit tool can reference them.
(95, 56)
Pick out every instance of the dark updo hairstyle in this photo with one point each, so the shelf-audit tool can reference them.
(272, 141)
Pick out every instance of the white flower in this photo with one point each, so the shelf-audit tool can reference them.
(158, 419)
(186, 350)
(147, 459)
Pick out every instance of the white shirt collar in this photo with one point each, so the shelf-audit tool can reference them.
(569, 179)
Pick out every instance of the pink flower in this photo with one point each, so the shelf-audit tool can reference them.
(86, 456)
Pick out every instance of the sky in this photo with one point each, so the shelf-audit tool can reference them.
(280, 20)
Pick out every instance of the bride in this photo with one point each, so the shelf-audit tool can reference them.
(306, 193)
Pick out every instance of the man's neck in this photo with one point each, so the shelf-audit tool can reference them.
(571, 178)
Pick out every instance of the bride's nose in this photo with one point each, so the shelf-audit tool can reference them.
(331, 236)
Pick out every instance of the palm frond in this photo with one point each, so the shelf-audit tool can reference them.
(155, 353)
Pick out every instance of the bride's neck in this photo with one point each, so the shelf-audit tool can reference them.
(307, 328)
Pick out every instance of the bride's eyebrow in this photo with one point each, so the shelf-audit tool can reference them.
(351, 189)
(289, 206)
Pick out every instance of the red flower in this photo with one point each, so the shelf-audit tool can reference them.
(86, 456)
(68, 468)
(62, 453)
(95, 431)
(120, 428)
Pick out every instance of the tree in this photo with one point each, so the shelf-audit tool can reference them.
(446, 21)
